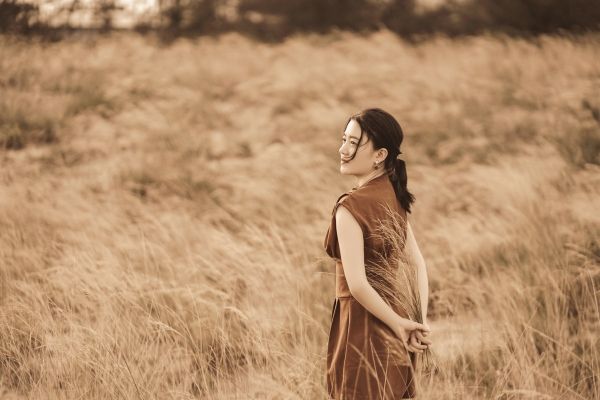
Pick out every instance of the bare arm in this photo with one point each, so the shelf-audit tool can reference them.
(350, 239)
(417, 259)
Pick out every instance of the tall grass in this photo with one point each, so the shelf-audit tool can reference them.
(168, 242)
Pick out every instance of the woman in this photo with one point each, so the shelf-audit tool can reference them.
(373, 341)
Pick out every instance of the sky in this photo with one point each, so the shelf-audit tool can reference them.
(126, 18)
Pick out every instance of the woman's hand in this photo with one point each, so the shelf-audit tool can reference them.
(418, 342)
(404, 330)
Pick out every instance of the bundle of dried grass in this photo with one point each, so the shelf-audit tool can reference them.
(393, 276)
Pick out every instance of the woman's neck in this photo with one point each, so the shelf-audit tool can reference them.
(369, 177)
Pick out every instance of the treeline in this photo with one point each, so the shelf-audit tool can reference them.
(276, 19)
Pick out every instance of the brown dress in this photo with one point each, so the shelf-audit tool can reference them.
(365, 359)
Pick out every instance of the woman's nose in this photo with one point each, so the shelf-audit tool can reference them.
(343, 151)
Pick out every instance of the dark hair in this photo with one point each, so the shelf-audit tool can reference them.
(385, 131)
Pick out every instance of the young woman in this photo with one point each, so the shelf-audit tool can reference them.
(372, 341)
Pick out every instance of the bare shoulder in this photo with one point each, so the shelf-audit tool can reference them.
(343, 213)
(345, 219)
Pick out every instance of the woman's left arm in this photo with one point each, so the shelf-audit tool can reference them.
(417, 259)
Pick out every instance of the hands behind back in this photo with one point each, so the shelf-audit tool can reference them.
(413, 334)
(418, 342)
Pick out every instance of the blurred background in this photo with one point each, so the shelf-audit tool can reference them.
(274, 20)
(168, 171)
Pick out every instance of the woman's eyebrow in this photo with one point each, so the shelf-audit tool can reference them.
(353, 137)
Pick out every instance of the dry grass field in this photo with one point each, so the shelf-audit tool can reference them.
(163, 209)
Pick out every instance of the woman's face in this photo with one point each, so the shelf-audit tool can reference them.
(362, 163)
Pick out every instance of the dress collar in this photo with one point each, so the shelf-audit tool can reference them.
(377, 179)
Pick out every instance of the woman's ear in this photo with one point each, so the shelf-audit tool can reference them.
(383, 153)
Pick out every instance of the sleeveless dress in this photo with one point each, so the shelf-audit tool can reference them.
(365, 359)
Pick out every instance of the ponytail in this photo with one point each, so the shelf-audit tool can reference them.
(399, 179)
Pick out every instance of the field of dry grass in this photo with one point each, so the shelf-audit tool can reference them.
(163, 208)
